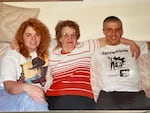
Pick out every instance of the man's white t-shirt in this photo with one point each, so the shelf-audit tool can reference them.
(118, 70)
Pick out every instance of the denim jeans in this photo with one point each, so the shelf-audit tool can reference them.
(19, 102)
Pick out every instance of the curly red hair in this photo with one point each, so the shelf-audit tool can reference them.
(40, 28)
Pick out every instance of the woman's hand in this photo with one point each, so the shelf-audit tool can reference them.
(14, 45)
(35, 92)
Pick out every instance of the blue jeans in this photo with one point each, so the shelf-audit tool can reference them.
(19, 102)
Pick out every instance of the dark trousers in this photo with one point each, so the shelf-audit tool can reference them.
(123, 101)
(70, 102)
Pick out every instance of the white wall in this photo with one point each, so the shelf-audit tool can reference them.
(90, 14)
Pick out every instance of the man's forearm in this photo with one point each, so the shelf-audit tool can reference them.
(126, 41)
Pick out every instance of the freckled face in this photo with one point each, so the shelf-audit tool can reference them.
(113, 32)
(31, 38)
(68, 39)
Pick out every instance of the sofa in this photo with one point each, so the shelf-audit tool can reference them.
(9, 22)
(144, 65)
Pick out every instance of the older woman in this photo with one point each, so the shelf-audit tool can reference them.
(16, 94)
(69, 66)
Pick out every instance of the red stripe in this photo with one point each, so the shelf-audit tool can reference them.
(73, 78)
(68, 84)
(70, 92)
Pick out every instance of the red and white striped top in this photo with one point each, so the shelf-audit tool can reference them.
(71, 72)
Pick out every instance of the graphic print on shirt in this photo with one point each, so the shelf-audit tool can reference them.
(116, 61)
(34, 72)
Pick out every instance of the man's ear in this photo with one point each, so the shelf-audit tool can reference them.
(122, 33)
(103, 31)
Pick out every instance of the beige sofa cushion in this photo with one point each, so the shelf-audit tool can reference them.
(3, 48)
(10, 19)
(144, 65)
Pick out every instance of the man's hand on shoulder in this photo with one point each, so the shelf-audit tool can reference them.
(135, 50)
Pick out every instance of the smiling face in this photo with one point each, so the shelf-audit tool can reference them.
(31, 39)
(68, 39)
(113, 32)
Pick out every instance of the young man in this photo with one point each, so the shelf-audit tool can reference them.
(115, 72)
